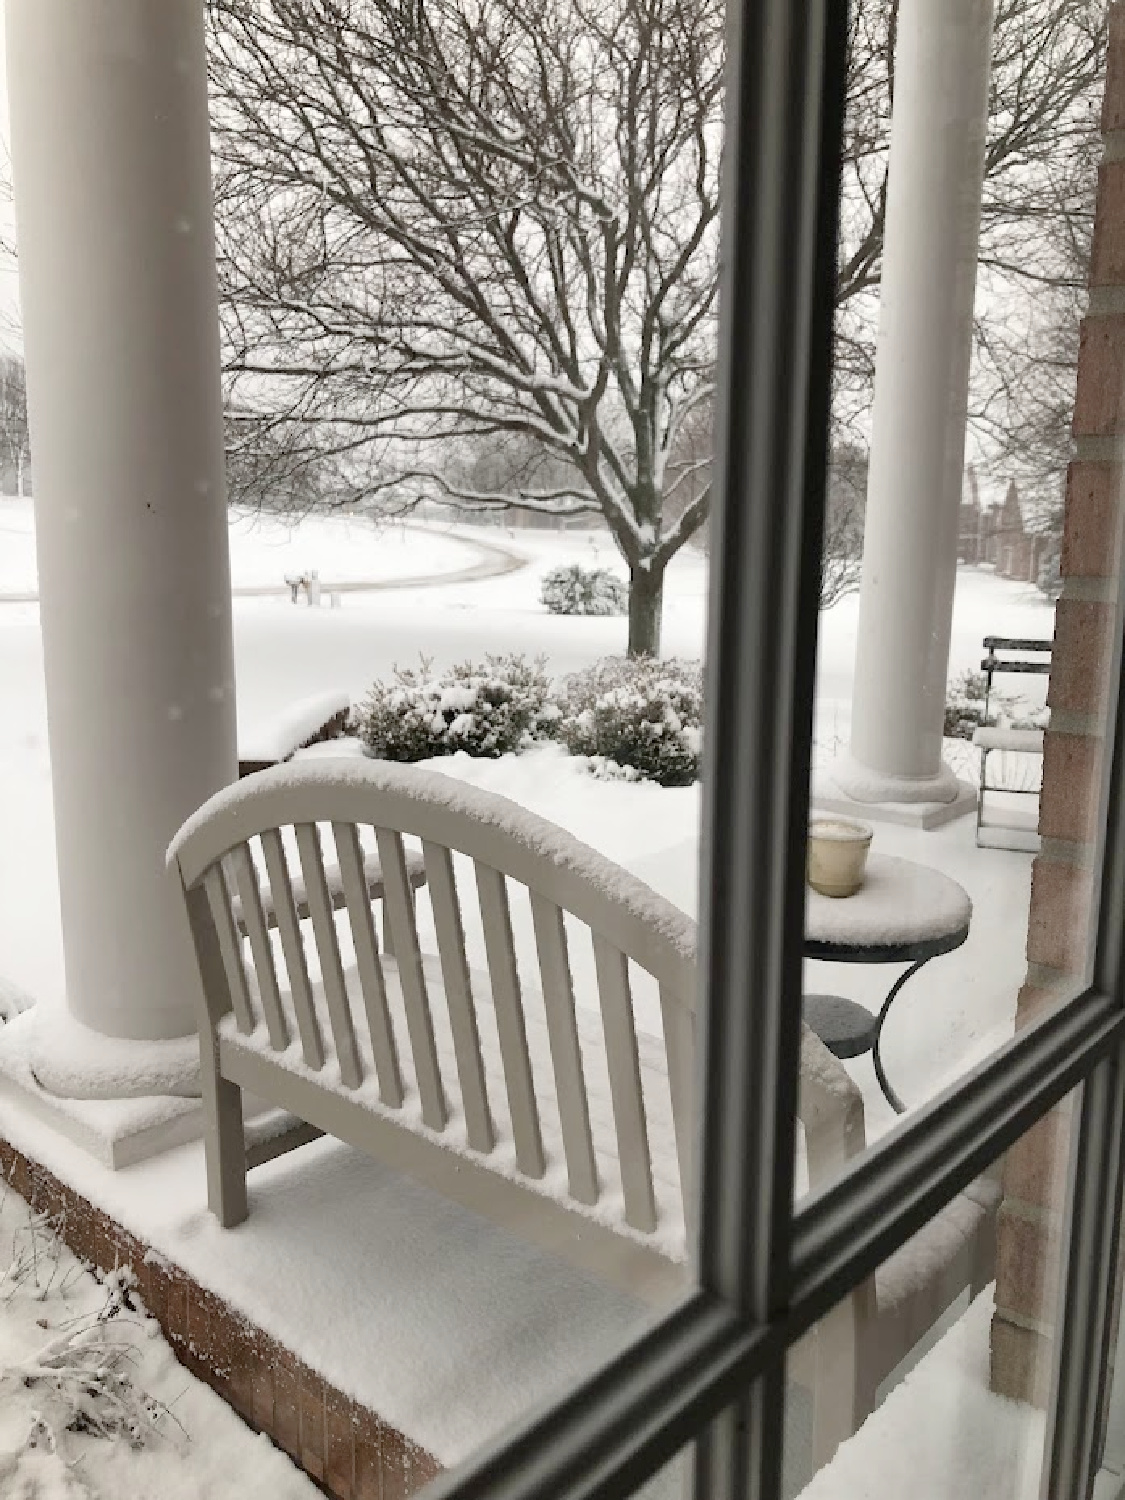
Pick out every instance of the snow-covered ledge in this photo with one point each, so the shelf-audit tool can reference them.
(935, 175)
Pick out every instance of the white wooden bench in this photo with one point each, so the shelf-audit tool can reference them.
(558, 1117)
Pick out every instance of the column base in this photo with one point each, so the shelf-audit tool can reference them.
(837, 791)
(130, 1101)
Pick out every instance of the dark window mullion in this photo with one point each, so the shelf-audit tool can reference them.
(785, 99)
(844, 1233)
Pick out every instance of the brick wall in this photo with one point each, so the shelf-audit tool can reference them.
(1061, 888)
(349, 1450)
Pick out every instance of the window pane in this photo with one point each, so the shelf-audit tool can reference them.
(972, 572)
(932, 1380)
(452, 531)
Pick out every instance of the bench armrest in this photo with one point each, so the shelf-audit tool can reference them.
(830, 1108)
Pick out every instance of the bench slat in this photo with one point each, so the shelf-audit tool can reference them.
(328, 951)
(625, 1084)
(218, 898)
(253, 918)
(566, 1054)
(358, 902)
(293, 947)
(507, 1002)
(459, 996)
(399, 915)
(679, 1049)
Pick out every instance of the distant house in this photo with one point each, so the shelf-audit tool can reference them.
(995, 535)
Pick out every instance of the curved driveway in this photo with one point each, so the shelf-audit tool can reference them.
(493, 561)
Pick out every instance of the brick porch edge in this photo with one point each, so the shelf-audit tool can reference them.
(347, 1449)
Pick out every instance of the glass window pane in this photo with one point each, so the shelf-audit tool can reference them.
(972, 575)
(451, 529)
(932, 1379)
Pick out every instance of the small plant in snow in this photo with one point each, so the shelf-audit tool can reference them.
(575, 590)
(965, 706)
(486, 709)
(84, 1373)
(965, 709)
(638, 715)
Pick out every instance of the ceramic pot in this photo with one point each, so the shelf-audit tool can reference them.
(837, 855)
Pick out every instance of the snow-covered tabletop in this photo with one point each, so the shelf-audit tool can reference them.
(903, 911)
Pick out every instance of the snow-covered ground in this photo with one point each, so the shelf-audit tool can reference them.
(57, 1321)
(264, 549)
(942, 1434)
(954, 1012)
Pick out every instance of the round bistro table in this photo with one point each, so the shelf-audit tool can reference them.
(904, 913)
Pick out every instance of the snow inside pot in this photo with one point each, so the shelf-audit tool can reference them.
(837, 855)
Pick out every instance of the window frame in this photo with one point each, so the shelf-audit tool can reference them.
(712, 1372)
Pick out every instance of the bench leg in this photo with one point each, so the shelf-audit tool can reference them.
(388, 941)
(225, 1145)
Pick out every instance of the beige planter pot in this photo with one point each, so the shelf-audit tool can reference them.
(837, 855)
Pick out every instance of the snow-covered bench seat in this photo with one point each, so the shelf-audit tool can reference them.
(537, 1102)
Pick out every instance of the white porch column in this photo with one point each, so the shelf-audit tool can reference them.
(111, 161)
(921, 392)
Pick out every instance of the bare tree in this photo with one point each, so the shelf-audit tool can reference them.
(458, 219)
(1047, 79)
(444, 222)
(15, 450)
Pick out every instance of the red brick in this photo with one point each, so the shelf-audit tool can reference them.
(287, 1403)
(174, 1322)
(1107, 255)
(339, 1445)
(426, 1468)
(1091, 535)
(236, 1350)
(367, 1436)
(1072, 782)
(397, 1468)
(1113, 104)
(82, 1229)
(1035, 1000)
(1027, 1266)
(1059, 926)
(1035, 1167)
(312, 1424)
(1099, 410)
(199, 1326)
(262, 1382)
(1081, 657)
(1020, 1362)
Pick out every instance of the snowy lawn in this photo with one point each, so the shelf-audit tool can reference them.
(263, 549)
(170, 1437)
(953, 1012)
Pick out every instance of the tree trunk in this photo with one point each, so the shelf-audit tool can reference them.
(646, 599)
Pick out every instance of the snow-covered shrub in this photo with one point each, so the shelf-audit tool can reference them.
(636, 713)
(485, 709)
(575, 590)
(965, 706)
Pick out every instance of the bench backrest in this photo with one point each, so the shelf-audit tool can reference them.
(221, 854)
